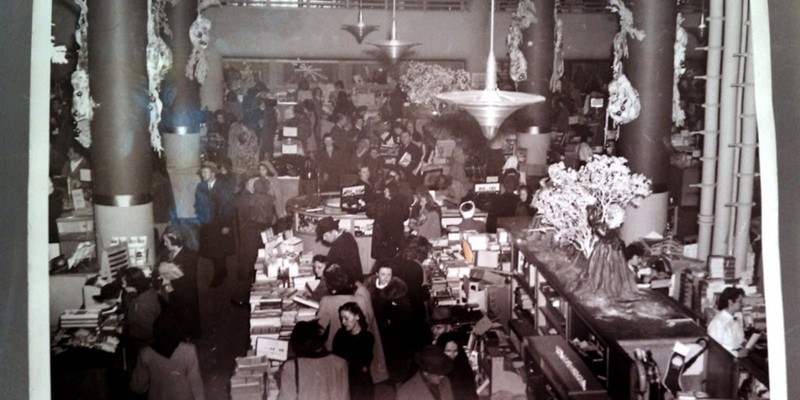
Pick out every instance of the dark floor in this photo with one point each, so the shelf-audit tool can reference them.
(225, 332)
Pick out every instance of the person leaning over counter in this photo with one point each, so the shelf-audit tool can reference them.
(344, 249)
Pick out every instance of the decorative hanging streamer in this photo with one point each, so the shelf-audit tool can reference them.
(623, 104)
(681, 40)
(82, 103)
(521, 19)
(200, 35)
(159, 62)
(558, 53)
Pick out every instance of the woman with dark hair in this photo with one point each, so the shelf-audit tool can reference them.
(168, 368)
(354, 343)
(426, 216)
(142, 306)
(344, 291)
(408, 267)
(462, 378)
(524, 208)
(177, 273)
(313, 373)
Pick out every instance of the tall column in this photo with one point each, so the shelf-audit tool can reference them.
(478, 19)
(121, 151)
(538, 44)
(649, 68)
(181, 116)
(728, 115)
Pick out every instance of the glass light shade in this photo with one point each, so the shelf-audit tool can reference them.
(394, 49)
(360, 30)
(489, 107)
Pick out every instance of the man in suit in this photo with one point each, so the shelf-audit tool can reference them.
(73, 166)
(213, 204)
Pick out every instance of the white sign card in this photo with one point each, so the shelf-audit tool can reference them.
(78, 201)
(86, 175)
(273, 349)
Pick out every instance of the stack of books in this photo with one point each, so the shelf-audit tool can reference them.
(80, 319)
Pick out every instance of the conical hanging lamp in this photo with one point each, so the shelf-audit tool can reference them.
(490, 107)
(360, 30)
(394, 48)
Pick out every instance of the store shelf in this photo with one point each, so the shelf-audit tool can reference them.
(555, 319)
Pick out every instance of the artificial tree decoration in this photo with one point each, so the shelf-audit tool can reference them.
(558, 52)
(584, 209)
(623, 104)
(681, 39)
(423, 81)
(523, 17)
(200, 35)
(308, 72)
(159, 62)
(82, 103)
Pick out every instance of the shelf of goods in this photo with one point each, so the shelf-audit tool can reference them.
(607, 342)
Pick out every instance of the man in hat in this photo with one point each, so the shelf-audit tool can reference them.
(441, 322)
(344, 249)
(468, 223)
(214, 209)
(430, 382)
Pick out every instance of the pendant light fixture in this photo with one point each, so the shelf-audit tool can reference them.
(360, 30)
(394, 48)
(490, 106)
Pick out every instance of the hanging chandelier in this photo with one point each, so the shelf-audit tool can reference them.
(360, 30)
(394, 48)
(490, 106)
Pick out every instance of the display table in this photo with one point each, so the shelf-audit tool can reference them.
(306, 210)
(544, 275)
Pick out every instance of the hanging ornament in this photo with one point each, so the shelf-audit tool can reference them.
(623, 103)
(523, 17)
(159, 62)
(200, 35)
(82, 103)
(681, 39)
(558, 53)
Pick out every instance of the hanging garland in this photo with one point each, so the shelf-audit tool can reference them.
(58, 53)
(199, 34)
(82, 103)
(558, 52)
(681, 40)
(523, 17)
(159, 62)
(623, 104)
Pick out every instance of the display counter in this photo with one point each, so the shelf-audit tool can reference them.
(306, 210)
(610, 340)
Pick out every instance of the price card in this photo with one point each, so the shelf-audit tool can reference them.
(273, 349)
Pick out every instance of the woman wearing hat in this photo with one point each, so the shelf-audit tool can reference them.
(430, 382)
(313, 373)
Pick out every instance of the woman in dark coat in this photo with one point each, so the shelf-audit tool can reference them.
(354, 343)
(181, 299)
(402, 335)
(408, 267)
(462, 378)
(389, 212)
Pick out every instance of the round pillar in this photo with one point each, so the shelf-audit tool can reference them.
(122, 171)
(213, 88)
(649, 68)
(536, 145)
